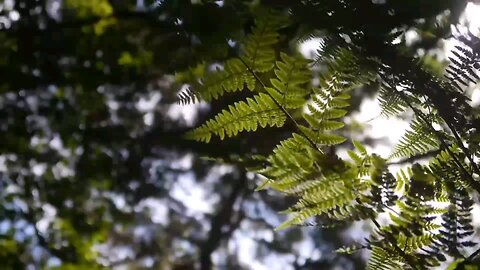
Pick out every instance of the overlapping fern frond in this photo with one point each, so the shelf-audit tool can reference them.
(391, 102)
(383, 184)
(291, 85)
(258, 53)
(292, 166)
(345, 69)
(419, 139)
(325, 184)
(383, 258)
(456, 223)
(322, 116)
(329, 101)
(414, 230)
(289, 90)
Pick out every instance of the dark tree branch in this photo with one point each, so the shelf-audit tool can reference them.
(222, 219)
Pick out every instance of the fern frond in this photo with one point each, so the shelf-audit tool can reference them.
(259, 54)
(188, 96)
(391, 102)
(446, 168)
(336, 196)
(313, 205)
(415, 232)
(457, 224)
(190, 77)
(336, 190)
(329, 101)
(403, 177)
(464, 67)
(242, 116)
(349, 213)
(349, 249)
(382, 259)
(325, 186)
(419, 139)
(322, 114)
(233, 77)
(414, 243)
(290, 85)
(296, 167)
(415, 218)
(324, 139)
(383, 189)
(345, 70)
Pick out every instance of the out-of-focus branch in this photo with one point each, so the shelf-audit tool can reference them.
(223, 218)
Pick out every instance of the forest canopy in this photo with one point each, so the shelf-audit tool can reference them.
(225, 134)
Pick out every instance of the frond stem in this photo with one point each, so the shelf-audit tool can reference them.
(289, 116)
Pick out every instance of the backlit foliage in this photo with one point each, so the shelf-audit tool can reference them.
(93, 8)
(258, 56)
(429, 206)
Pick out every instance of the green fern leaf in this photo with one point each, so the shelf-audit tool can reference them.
(382, 259)
(242, 116)
(391, 102)
(322, 138)
(258, 53)
(290, 84)
(232, 78)
(418, 140)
